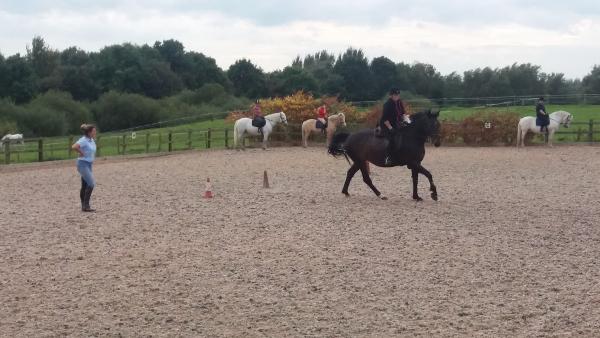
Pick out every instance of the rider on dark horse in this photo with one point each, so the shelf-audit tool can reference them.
(392, 120)
(543, 119)
(257, 118)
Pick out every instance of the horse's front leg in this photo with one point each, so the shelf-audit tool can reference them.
(265, 137)
(415, 181)
(305, 137)
(432, 187)
(550, 136)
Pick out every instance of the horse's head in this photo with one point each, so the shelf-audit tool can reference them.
(282, 117)
(566, 120)
(428, 124)
(342, 119)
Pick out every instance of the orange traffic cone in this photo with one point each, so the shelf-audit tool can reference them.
(208, 191)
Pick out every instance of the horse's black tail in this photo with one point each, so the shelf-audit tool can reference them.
(336, 147)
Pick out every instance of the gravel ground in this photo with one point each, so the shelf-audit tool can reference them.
(511, 248)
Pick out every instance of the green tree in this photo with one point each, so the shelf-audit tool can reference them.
(291, 80)
(427, 81)
(76, 74)
(555, 84)
(20, 79)
(524, 79)
(591, 82)
(453, 85)
(115, 111)
(384, 75)
(247, 79)
(43, 59)
(62, 103)
(353, 67)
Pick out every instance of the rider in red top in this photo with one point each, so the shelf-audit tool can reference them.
(322, 117)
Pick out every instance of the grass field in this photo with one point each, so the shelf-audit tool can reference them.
(111, 143)
(581, 113)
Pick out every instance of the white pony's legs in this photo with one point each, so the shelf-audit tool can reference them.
(265, 137)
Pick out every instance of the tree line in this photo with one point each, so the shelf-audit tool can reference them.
(180, 80)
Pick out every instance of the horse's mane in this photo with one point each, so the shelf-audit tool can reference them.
(269, 116)
(418, 117)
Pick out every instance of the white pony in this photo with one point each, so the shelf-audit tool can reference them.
(12, 139)
(528, 124)
(244, 126)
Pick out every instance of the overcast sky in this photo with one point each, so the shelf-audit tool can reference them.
(560, 36)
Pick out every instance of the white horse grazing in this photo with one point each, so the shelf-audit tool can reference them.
(333, 122)
(528, 124)
(244, 126)
(12, 139)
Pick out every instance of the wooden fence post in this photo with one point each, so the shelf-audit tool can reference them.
(226, 138)
(40, 150)
(124, 144)
(69, 146)
(7, 152)
(147, 142)
(170, 141)
(591, 131)
(189, 139)
(118, 145)
(159, 141)
(208, 138)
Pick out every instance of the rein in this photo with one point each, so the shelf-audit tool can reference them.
(557, 121)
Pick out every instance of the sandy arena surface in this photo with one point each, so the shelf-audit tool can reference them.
(511, 249)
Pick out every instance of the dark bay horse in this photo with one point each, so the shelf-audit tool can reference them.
(364, 146)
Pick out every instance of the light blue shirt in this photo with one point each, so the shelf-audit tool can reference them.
(88, 148)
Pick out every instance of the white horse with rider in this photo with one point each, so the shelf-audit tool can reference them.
(12, 139)
(527, 124)
(243, 127)
(333, 122)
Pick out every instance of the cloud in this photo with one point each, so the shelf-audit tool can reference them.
(272, 40)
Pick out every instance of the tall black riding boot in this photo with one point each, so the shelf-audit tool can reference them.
(82, 193)
(389, 150)
(86, 200)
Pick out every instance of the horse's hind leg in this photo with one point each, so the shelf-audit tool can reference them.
(367, 179)
(353, 169)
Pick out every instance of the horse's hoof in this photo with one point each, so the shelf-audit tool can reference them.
(383, 198)
(434, 197)
(417, 198)
(346, 193)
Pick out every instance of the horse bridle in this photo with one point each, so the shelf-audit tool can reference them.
(281, 117)
(564, 124)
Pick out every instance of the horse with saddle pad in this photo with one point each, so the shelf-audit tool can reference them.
(530, 123)
(366, 146)
(313, 125)
(246, 125)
